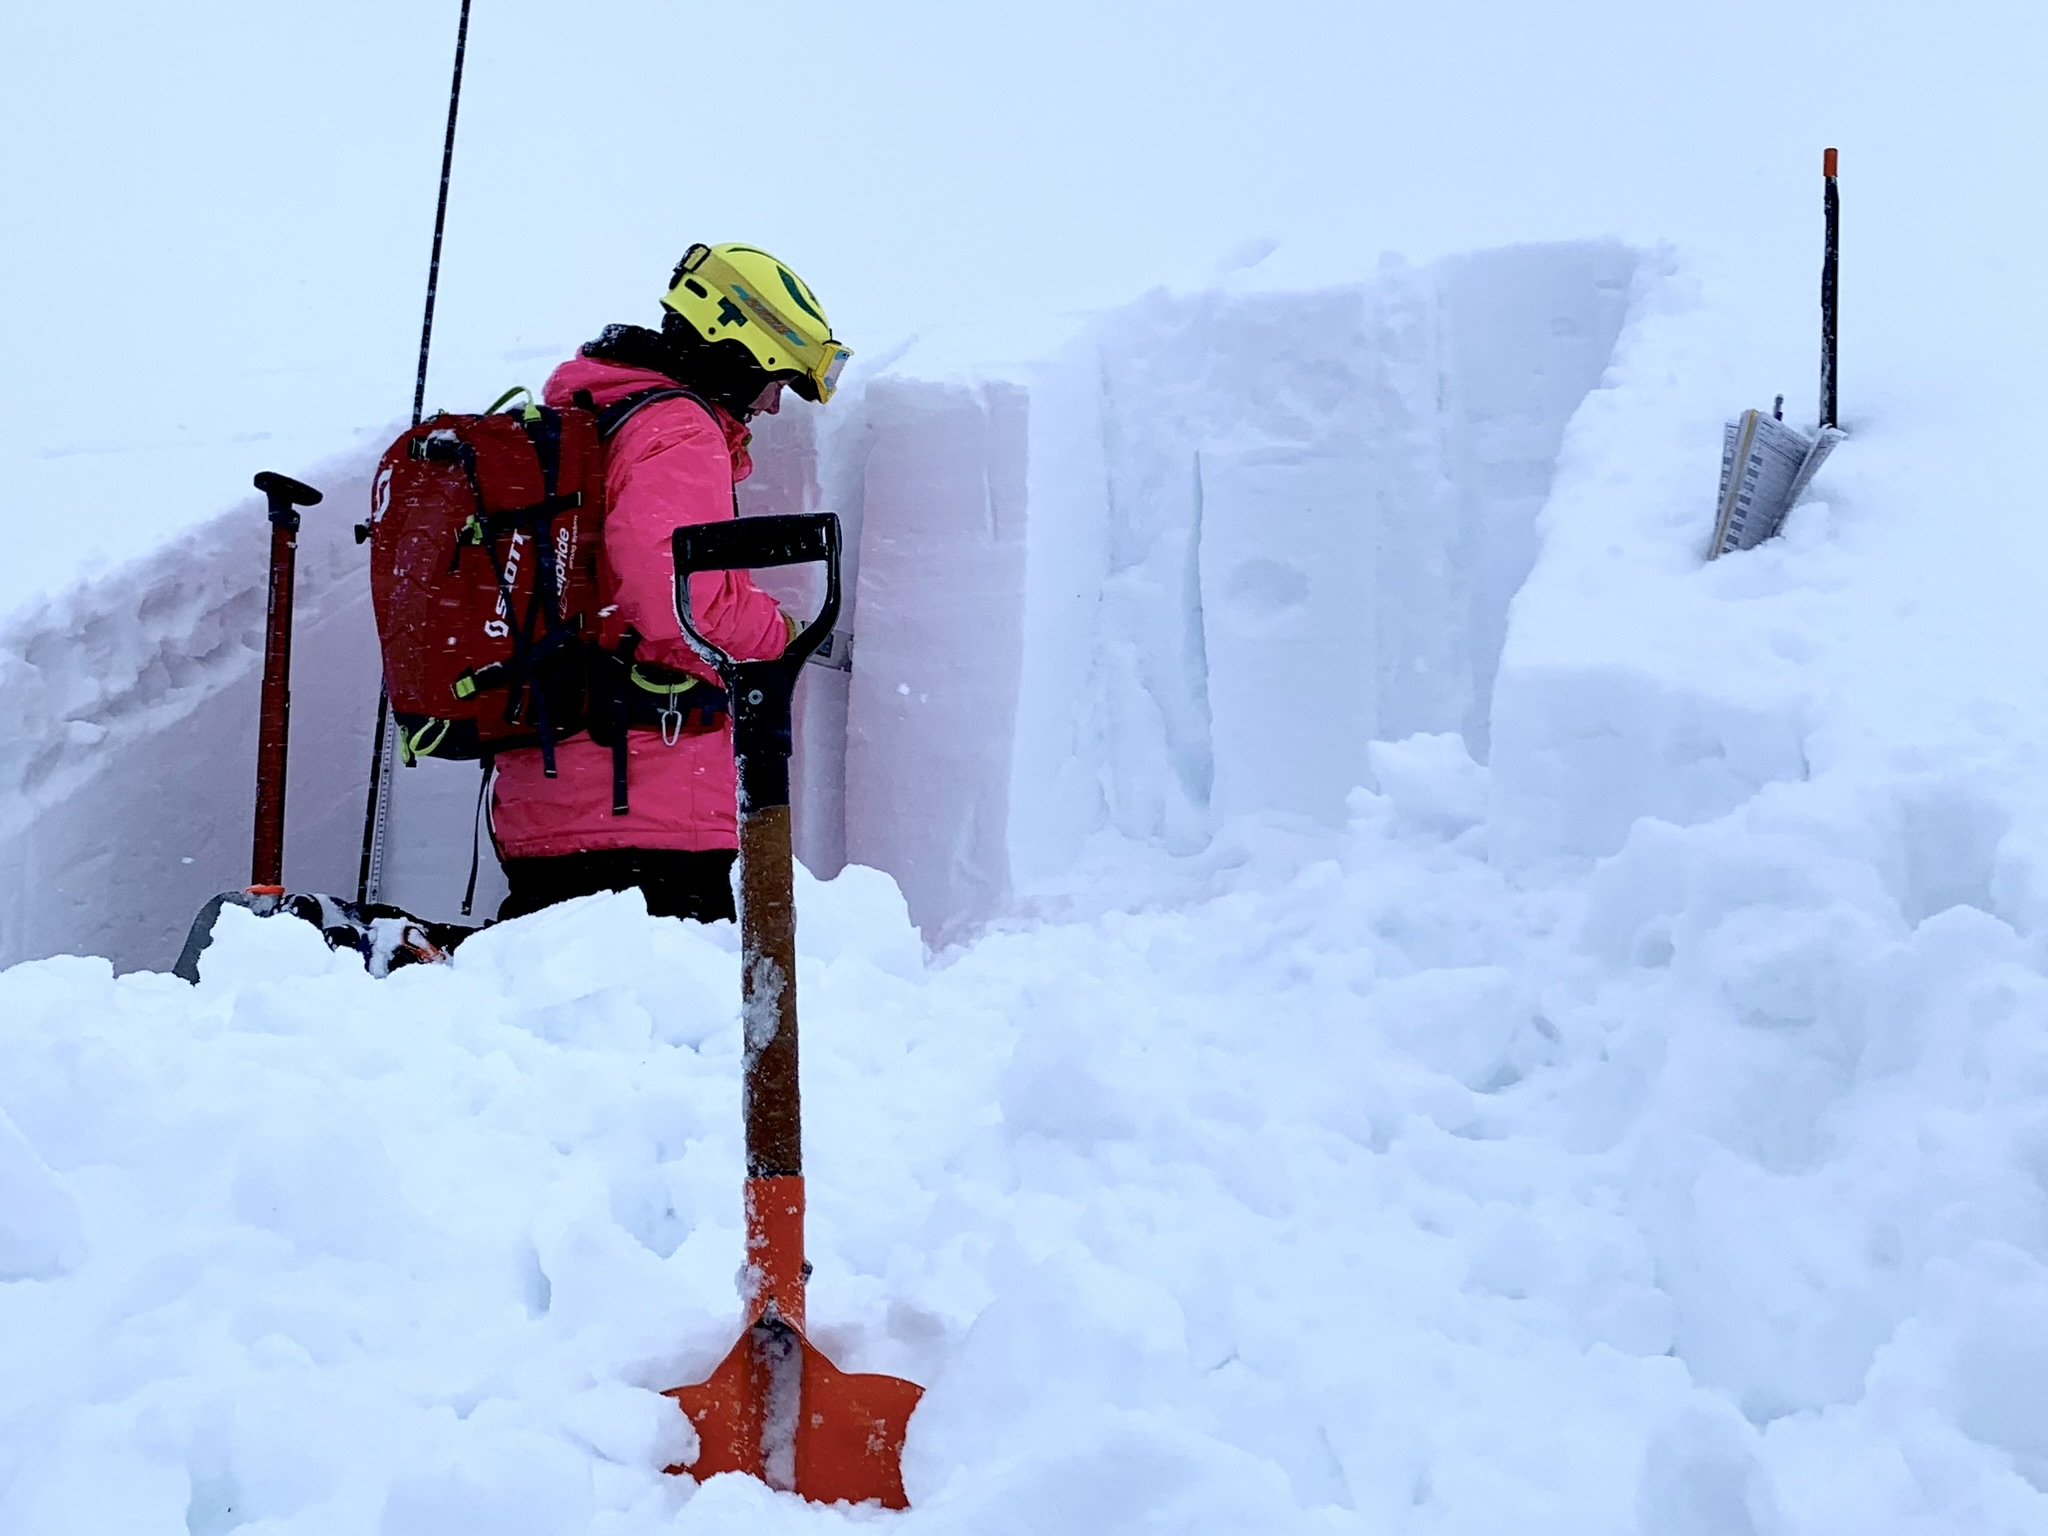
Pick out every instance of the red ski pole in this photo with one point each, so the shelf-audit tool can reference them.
(266, 863)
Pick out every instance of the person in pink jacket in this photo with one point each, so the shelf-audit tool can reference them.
(739, 328)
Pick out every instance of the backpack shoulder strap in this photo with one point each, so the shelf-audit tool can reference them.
(623, 410)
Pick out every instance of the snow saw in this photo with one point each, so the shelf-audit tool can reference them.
(384, 936)
(776, 1408)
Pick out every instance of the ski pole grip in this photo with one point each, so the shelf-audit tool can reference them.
(757, 543)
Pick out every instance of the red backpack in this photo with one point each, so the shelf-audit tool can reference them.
(484, 534)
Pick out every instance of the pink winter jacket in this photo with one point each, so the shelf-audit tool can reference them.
(674, 462)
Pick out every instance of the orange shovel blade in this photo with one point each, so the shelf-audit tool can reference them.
(777, 1409)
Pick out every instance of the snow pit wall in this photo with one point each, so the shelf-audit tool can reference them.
(1267, 529)
(127, 774)
(1184, 570)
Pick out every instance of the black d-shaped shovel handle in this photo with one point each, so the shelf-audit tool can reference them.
(760, 690)
(754, 544)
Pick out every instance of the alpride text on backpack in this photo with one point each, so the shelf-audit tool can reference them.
(484, 537)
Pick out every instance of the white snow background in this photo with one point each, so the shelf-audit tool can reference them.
(1575, 1061)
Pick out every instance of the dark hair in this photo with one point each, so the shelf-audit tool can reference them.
(723, 372)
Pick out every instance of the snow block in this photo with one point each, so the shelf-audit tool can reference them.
(938, 606)
(1267, 529)
(1701, 1477)
(1285, 550)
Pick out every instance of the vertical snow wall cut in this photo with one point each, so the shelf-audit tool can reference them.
(1191, 566)
(1184, 570)
(128, 768)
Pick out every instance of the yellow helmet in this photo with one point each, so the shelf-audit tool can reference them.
(738, 293)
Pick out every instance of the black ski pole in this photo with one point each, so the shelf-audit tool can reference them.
(370, 872)
(1831, 251)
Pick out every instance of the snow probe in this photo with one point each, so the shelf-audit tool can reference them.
(273, 727)
(776, 1408)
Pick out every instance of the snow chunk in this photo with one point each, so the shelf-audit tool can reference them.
(511, 1486)
(1702, 1477)
(1431, 780)
(40, 1236)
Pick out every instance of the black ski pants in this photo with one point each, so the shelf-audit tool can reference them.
(676, 883)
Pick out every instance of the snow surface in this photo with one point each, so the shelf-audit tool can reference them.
(1316, 1183)
(1576, 1062)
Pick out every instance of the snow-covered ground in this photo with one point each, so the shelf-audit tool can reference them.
(1321, 1182)
(1366, 988)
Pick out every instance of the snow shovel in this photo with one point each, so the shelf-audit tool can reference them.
(265, 890)
(266, 859)
(776, 1408)
(385, 937)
